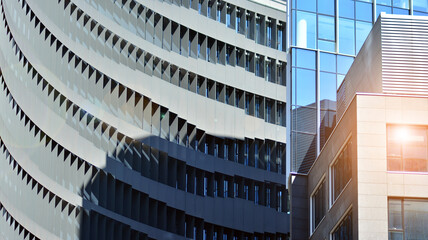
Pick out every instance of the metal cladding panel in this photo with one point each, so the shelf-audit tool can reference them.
(404, 55)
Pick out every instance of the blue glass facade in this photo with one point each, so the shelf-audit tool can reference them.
(326, 35)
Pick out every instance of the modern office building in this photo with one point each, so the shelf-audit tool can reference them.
(143, 119)
(325, 36)
(370, 179)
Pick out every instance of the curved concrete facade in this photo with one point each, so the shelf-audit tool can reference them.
(142, 119)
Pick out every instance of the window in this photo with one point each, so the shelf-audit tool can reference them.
(341, 171)
(346, 36)
(267, 157)
(306, 29)
(219, 12)
(268, 76)
(279, 201)
(407, 218)
(238, 20)
(268, 112)
(235, 151)
(278, 158)
(258, 107)
(344, 230)
(258, 67)
(256, 155)
(228, 13)
(407, 148)
(205, 186)
(256, 195)
(420, 5)
(269, 32)
(258, 33)
(246, 153)
(362, 31)
(225, 188)
(279, 40)
(318, 205)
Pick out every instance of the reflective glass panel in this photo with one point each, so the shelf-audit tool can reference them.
(346, 8)
(395, 236)
(401, 3)
(344, 63)
(327, 86)
(420, 13)
(364, 11)
(328, 121)
(394, 148)
(327, 45)
(395, 215)
(339, 80)
(414, 145)
(400, 11)
(303, 58)
(420, 5)
(346, 36)
(325, 27)
(307, 5)
(380, 8)
(306, 29)
(415, 219)
(384, 2)
(306, 119)
(326, 7)
(327, 62)
(304, 151)
(305, 87)
(363, 30)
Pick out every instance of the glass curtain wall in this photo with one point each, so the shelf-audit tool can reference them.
(326, 35)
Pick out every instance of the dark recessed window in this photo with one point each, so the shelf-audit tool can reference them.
(344, 230)
(341, 171)
(319, 205)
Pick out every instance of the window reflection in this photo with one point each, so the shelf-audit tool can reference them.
(380, 8)
(346, 8)
(344, 63)
(364, 11)
(307, 5)
(346, 36)
(420, 5)
(305, 87)
(407, 148)
(326, 7)
(327, 62)
(306, 29)
(363, 30)
(304, 58)
(326, 27)
(401, 4)
(407, 217)
(384, 2)
(327, 86)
